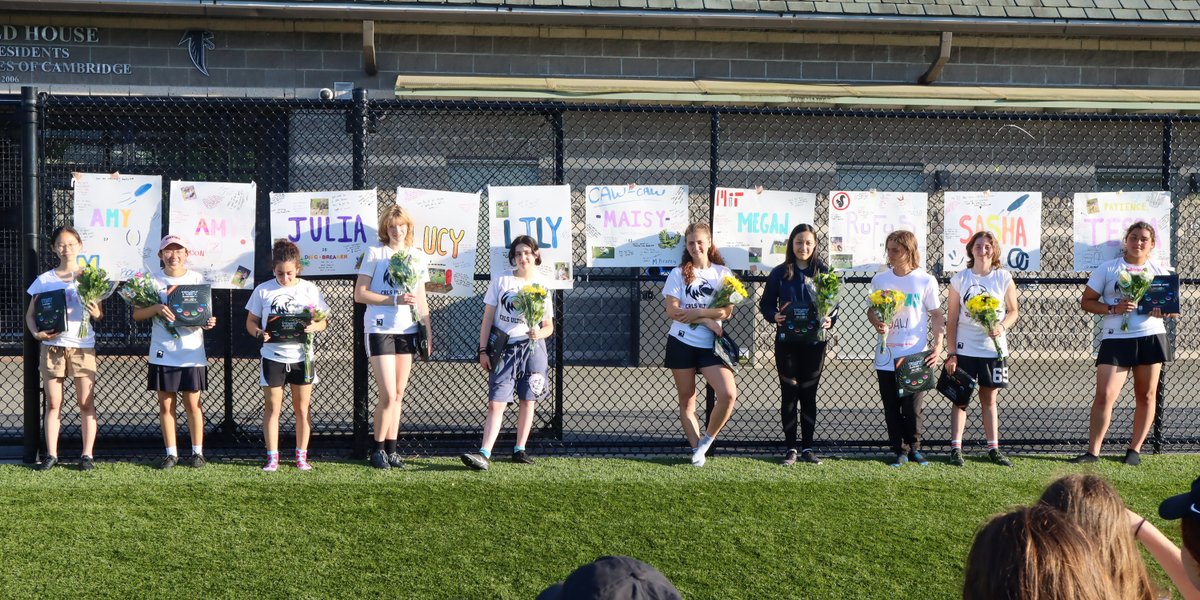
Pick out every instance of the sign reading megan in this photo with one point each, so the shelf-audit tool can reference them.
(751, 227)
(332, 228)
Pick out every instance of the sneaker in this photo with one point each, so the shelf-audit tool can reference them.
(272, 464)
(898, 460)
(917, 457)
(789, 459)
(809, 457)
(395, 460)
(197, 461)
(1084, 459)
(167, 462)
(999, 458)
(698, 458)
(956, 457)
(1133, 458)
(86, 463)
(704, 444)
(475, 461)
(521, 458)
(47, 463)
(379, 460)
(302, 461)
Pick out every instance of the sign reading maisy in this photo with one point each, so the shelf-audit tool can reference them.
(859, 222)
(1014, 217)
(446, 230)
(542, 212)
(751, 227)
(119, 218)
(1101, 219)
(332, 228)
(635, 225)
(217, 220)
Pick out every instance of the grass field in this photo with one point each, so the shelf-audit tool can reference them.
(737, 528)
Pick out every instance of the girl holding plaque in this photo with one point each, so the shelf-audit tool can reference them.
(283, 313)
(178, 365)
(54, 318)
(789, 302)
(390, 326)
(906, 333)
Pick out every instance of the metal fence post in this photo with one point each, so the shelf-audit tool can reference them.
(358, 129)
(714, 175)
(1160, 394)
(559, 333)
(30, 195)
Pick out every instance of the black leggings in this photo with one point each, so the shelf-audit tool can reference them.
(799, 367)
(903, 415)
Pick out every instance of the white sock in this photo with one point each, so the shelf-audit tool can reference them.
(704, 444)
(171, 451)
(197, 449)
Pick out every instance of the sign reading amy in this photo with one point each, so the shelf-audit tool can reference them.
(635, 225)
(1101, 219)
(217, 220)
(119, 218)
(1014, 217)
(751, 227)
(332, 228)
(542, 212)
(447, 231)
(859, 223)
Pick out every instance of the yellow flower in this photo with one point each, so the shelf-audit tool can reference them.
(898, 298)
(736, 285)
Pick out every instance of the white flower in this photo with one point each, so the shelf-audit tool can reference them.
(735, 297)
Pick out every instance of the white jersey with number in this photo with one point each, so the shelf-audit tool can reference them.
(970, 337)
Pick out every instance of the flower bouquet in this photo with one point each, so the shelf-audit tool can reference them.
(93, 287)
(407, 269)
(731, 292)
(984, 309)
(827, 286)
(885, 303)
(139, 292)
(314, 315)
(531, 303)
(1132, 286)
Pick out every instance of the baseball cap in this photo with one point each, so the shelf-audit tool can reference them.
(613, 578)
(172, 239)
(1182, 505)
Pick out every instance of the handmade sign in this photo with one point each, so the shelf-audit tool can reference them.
(119, 218)
(333, 229)
(859, 222)
(217, 220)
(1014, 217)
(446, 230)
(542, 212)
(1101, 219)
(635, 225)
(751, 227)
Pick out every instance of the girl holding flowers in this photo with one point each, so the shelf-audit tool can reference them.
(290, 361)
(904, 311)
(792, 293)
(516, 304)
(689, 293)
(982, 306)
(1128, 341)
(391, 283)
(68, 353)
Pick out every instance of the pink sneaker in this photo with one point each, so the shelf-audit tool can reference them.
(272, 463)
(302, 460)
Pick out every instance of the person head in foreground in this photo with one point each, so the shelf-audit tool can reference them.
(1186, 508)
(613, 578)
(1097, 507)
(1034, 553)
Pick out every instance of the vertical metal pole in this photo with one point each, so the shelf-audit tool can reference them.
(714, 174)
(559, 325)
(1160, 395)
(358, 129)
(30, 195)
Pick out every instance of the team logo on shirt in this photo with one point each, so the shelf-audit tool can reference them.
(508, 301)
(285, 304)
(389, 280)
(973, 290)
(698, 290)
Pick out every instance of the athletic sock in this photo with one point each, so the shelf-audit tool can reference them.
(273, 454)
(485, 452)
(197, 449)
(517, 449)
(956, 444)
(705, 442)
(993, 444)
(381, 445)
(389, 446)
(171, 451)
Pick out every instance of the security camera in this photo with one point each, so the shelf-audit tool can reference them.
(325, 94)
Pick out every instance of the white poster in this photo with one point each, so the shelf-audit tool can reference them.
(1101, 219)
(751, 227)
(119, 218)
(217, 220)
(635, 225)
(542, 212)
(1014, 217)
(332, 228)
(859, 222)
(446, 230)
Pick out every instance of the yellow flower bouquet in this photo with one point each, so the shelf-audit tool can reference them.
(731, 292)
(885, 303)
(984, 309)
(531, 303)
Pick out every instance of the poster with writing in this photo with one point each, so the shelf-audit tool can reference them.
(1014, 217)
(542, 212)
(859, 222)
(446, 229)
(635, 225)
(119, 218)
(332, 228)
(217, 220)
(1102, 217)
(751, 227)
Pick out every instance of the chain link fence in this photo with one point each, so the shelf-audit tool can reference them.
(611, 395)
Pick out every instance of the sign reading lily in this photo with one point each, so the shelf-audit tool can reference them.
(827, 286)
(1133, 286)
(731, 292)
(93, 287)
(139, 292)
(984, 309)
(885, 303)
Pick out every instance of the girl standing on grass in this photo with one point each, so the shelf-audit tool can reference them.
(977, 351)
(799, 364)
(908, 333)
(688, 292)
(287, 362)
(390, 330)
(524, 364)
(178, 366)
(1141, 347)
(65, 354)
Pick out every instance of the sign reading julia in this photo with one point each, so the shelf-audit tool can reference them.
(332, 228)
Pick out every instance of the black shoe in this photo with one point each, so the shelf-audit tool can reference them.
(520, 457)
(197, 461)
(47, 463)
(956, 458)
(167, 462)
(1133, 458)
(1084, 459)
(475, 461)
(999, 458)
(809, 457)
(395, 460)
(379, 460)
(789, 459)
(86, 463)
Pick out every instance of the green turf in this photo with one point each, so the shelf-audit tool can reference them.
(737, 528)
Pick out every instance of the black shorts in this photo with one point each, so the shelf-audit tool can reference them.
(381, 344)
(684, 356)
(276, 374)
(1133, 352)
(989, 372)
(161, 378)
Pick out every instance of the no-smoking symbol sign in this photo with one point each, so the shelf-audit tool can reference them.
(840, 201)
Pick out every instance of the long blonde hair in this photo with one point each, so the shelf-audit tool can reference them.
(395, 213)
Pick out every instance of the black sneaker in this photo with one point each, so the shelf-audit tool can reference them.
(999, 458)
(789, 459)
(86, 463)
(167, 462)
(956, 457)
(379, 460)
(475, 461)
(809, 457)
(520, 457)
(197, 461)
(1084, 459)
(1133, 458)
(395, 460)
(47, 463)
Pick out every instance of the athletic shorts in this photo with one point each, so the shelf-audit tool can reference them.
(989, 372)
(684, 356)
(59, 361)
(522, 370)
(162, 378)
(1133, 352)
(381, 344)
(276, 374)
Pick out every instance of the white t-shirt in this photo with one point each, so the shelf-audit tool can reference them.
(971, 339)
(187, 350)
(271, 298)
(697, 294)
(49, 282)
(1104, 281)
(386, 319)
(910, 326)
(500, 293)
